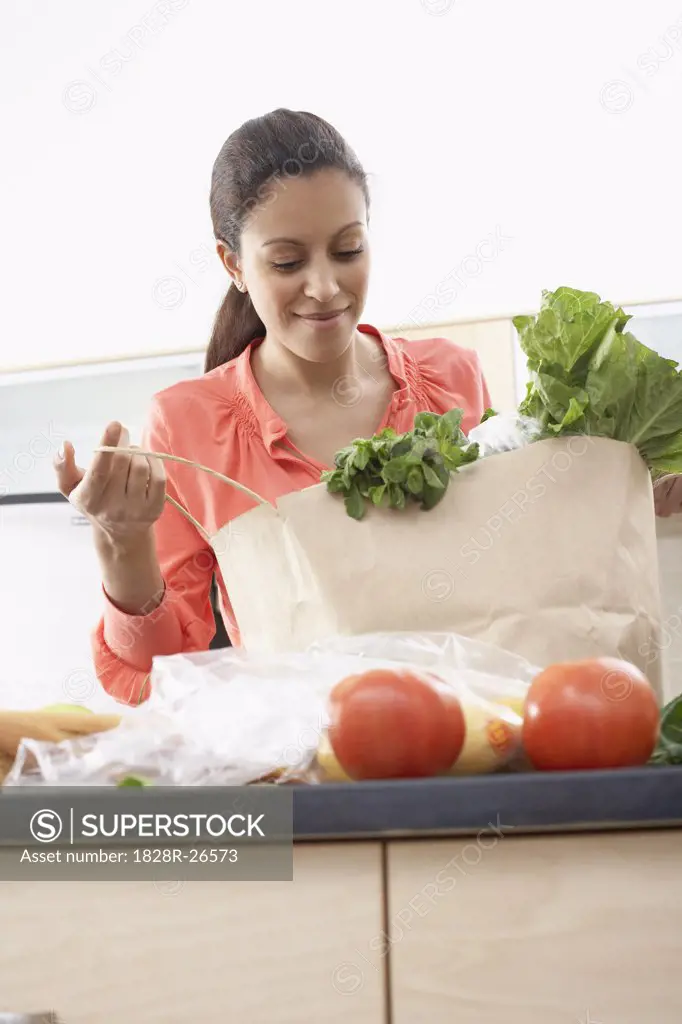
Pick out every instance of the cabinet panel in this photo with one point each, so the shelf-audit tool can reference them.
(669, 532)
(165, 953)
(493, 340)
(536, 929)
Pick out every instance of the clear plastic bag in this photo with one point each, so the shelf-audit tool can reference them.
(225, 717)
(505, 432)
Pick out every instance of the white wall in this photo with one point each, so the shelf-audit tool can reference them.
(549, 129)
(550, 132)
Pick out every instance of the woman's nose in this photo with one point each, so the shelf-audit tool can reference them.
(321, 285)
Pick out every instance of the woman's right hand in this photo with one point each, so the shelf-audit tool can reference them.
(121, 494)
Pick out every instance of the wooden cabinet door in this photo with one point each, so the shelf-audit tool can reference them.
(494, 341)
(669, 536)
(536, 929)
(207, 952)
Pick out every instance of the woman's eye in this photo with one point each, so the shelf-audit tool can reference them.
(286, 266)
(349, 253)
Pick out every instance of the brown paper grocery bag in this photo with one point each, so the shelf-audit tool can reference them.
(548, 551)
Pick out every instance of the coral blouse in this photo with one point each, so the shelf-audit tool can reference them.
(223, 421)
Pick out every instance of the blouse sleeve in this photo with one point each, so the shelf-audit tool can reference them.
(123, 645)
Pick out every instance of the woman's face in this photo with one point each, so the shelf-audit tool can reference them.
(305, 262)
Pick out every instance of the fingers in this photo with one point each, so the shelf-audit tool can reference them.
(661, 488)
(156, 489)
(108, 471)
(668, 495)
(69, 475)
(674, 501)
(138, 476)
(119, 466)
(100, 467)
(124, 492)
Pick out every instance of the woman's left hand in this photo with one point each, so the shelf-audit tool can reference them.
(668, 494)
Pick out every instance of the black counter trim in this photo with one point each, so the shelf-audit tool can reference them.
(642, 798)
(48, 498)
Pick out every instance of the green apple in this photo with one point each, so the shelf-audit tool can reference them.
(133, 780)
(67, 707)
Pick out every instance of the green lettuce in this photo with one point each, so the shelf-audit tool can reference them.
(588, 375)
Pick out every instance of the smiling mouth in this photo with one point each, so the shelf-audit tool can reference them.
(322, 316)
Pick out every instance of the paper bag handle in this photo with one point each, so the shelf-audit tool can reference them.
(196, 465)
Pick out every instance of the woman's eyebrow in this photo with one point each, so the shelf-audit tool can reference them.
(294, 241)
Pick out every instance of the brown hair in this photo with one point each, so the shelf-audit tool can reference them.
(247, 172)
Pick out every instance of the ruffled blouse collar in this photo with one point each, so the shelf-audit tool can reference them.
(272, 427)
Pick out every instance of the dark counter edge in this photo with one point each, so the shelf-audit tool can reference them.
(632, 798)
(513, 803)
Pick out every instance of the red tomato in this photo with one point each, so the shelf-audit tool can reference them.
(594, 713)
(390, 724)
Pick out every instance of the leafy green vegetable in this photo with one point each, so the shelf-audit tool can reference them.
(590, 376)
(389, 470)
(669, 747)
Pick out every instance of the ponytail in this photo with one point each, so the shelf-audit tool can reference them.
(236, 325)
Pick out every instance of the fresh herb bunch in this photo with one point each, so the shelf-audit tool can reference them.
(389, 470)
(590, 376)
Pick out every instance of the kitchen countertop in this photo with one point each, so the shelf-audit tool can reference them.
(626, 798)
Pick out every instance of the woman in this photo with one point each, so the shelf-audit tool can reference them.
(291, 376)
